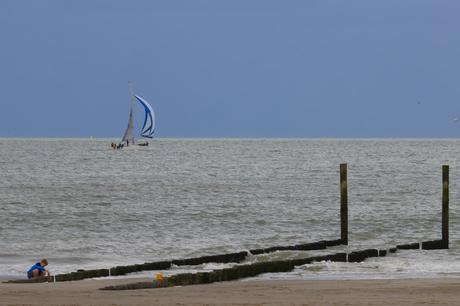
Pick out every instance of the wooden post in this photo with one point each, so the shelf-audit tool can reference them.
(343, 203)
(445, 206)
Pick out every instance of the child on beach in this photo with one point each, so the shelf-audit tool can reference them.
(38, 269)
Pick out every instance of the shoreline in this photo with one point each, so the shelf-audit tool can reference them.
(414, 291)
(131, 279)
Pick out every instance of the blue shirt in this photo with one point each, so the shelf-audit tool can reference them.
(36, 266)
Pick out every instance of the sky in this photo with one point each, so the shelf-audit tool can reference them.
(231, 69)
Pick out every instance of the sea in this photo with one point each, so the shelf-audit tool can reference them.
(82, 205)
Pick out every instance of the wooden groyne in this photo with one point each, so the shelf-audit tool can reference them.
(229, 274)
(165, 265)
(252, 270)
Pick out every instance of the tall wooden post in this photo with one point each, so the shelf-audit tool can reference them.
(344, 203)
(445, 206)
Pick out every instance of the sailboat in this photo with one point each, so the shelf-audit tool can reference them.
(147, 130)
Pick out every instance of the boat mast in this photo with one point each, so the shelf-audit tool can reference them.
(131, 95)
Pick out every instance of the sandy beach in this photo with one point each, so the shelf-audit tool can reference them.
(286, 292)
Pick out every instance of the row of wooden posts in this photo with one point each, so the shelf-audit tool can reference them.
(443, 244)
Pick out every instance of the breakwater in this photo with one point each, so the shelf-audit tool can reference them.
(252, 270)
(237, 272)
(164, 265)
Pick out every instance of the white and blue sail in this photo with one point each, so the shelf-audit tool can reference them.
(147, 130)
(149, 123)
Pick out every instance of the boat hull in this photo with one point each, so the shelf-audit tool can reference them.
(138, 148)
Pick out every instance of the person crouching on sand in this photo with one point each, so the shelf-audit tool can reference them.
(38, 269)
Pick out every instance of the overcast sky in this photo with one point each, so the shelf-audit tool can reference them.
(253, 68)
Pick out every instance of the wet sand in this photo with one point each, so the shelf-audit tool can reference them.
(285, 292)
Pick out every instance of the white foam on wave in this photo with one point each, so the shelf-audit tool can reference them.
(370, 270)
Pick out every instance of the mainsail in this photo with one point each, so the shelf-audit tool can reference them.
(129, 134)
(149, 123)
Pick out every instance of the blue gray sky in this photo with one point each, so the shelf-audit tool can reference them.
(245, 69)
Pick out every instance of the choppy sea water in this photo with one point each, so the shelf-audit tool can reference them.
(83, 206)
